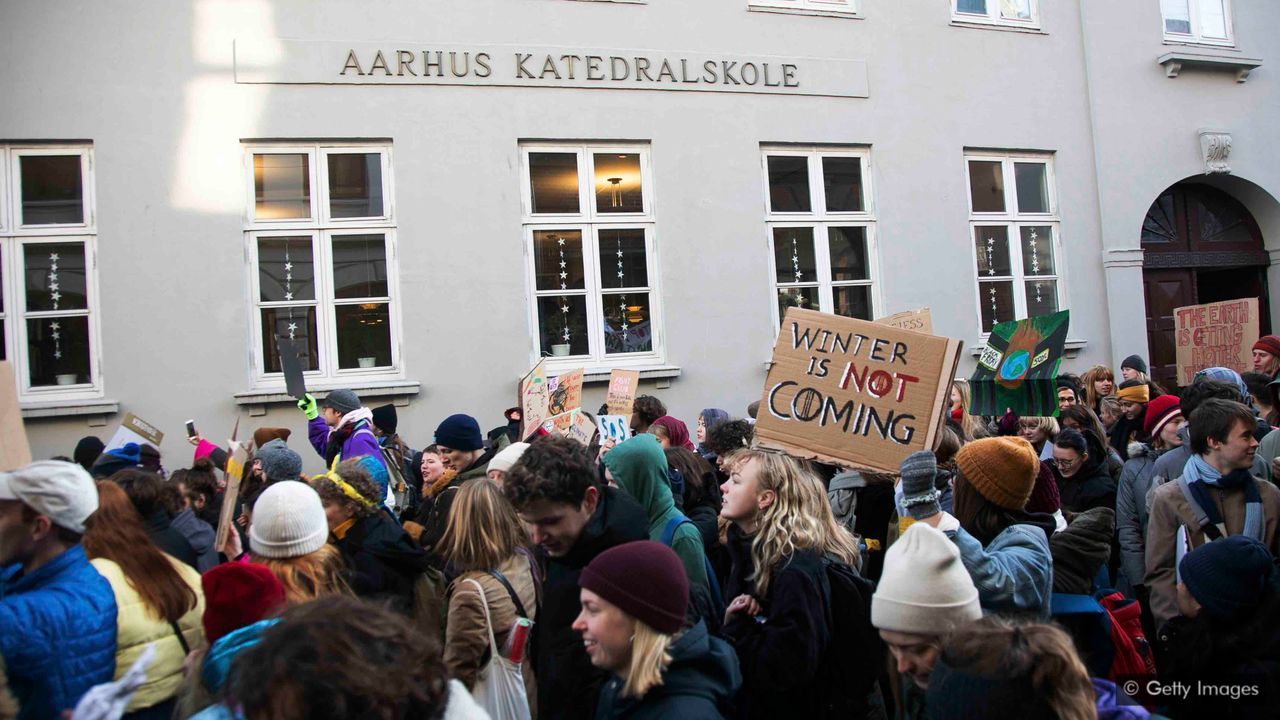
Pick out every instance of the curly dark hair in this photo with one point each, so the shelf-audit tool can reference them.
(730, 436)
(554, 468)
(339, 657)
(648, 408)
(353, 473)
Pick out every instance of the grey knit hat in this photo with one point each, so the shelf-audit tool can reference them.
(344, 401)
(279, 462)
(288, 521)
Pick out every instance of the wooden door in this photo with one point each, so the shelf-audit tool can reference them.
(1163, 291)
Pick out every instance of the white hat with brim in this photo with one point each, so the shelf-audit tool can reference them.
(62, 491)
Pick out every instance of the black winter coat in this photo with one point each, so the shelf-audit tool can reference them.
(781, 650)
(161, 531)
(699, 684)
(1091, 487)
(383, 561)
(568, 684)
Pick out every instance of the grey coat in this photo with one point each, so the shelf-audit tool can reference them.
(1136, 480)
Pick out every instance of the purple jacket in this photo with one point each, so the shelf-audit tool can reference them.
(361, 442)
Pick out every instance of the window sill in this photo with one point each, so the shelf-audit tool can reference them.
(1070, 348)
(1209, 59)
(68, 408)
(816, 12)
(257, 400)
(1001, 27)
(600, 373)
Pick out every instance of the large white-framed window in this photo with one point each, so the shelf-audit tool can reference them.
(48, 282)
(821, 230)
(1012, 13)
(1206, 22)
(835, 7)
(592, 268)
(1014, 231)
(320, 245)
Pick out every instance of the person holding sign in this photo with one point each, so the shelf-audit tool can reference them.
(340, 428)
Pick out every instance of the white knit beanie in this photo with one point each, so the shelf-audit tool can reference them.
(508, 457)
(288, 521)
(924, 587)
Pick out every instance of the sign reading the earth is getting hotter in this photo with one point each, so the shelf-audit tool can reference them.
(279, 61)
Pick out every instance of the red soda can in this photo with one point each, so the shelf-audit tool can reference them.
(517, 639)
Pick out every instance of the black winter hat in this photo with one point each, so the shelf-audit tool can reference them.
(87, 451)
(1228, 576)
(459, 432)
(1135, 362)
(384, 417)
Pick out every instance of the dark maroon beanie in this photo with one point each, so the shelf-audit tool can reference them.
(1045, 497)
(236, 595)
(645, 579)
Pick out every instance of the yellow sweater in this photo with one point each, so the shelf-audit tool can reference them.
(136, 626)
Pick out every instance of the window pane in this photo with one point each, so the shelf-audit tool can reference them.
(852, 301)
(282, 186)
(52, 190)
(973, 7)
(986, 186)
(555, 182)
(285, 269)
(1037, 251)
(557, 259)
(295, 323)
(996, 301)
(1015, 9)
(1177, 16)
(789, 184)
(793, 255)
(993, 250)
(562, 325)
(618, 183)
(1042, 297)
(355, 185)
(58, 350)
(55, 277)
(360, 266)
(842, 183)
(1033, 187)
(805, 297)
(1213, 21)
(626, 323)
(848, 253)
(622, 260)
(364, 335)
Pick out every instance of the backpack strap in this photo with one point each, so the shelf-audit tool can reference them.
(1214, 532)
(510, 591)
(669, 532)
(186, 649)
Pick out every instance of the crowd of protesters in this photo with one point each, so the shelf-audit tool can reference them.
(1069, 566)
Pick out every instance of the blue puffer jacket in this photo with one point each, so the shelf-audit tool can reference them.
(57, 633)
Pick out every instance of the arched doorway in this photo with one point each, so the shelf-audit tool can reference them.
(1200, 245)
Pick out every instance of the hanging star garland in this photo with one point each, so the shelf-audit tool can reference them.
(54, 328)
(622, 308)
(564, 285)
(1035, 263)
(991, 263)
(288, 289)
(795, 259)
(54, 294)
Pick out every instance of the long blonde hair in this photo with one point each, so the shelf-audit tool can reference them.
(968, 423)
(483, 530)
(649, 658)
(310, 576)
(799, 518)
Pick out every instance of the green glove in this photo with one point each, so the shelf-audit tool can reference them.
(308, 405)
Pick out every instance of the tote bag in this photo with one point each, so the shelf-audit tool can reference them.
(500, 687)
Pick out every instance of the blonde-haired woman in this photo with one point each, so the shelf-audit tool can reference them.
(289, 535)
(961, 399)
(779, 621)
(486, 545)
(632, 622)
(1041, 432)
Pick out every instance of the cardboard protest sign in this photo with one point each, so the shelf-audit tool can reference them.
(236, 461)
(614, 427)
(854, 393)
(918, 320)
(1018, 368)
(134, 430)
(14, 450)
(623, 387)
(533, 399)
(581, 427)
(290, 363)
(564, 392)
(1218, 334)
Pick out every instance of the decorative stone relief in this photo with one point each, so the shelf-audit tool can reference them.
(1215, 146)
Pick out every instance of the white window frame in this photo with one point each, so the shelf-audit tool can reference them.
(1013, 219)
(993, 16)
(820, 219)
(851, 8)
(322, 229)
(15, 236)
(589, 222)
(1195, 37)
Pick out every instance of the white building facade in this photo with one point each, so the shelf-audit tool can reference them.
(428, 196)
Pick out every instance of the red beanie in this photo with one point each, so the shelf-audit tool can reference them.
(645, 579)
(236, 595)
(1160, 411)
(1045, 497)
(1268, 343)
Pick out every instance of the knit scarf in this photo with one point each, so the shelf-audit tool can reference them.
(345, 428)
(1199, 476)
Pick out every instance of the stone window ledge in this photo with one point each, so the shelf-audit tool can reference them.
(69, 408)
(816, 12)
(1070, 348)
(999, 27)
(652, 372)
(1209, 59)
(399, 391)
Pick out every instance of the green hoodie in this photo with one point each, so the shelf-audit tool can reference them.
(639, 466)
